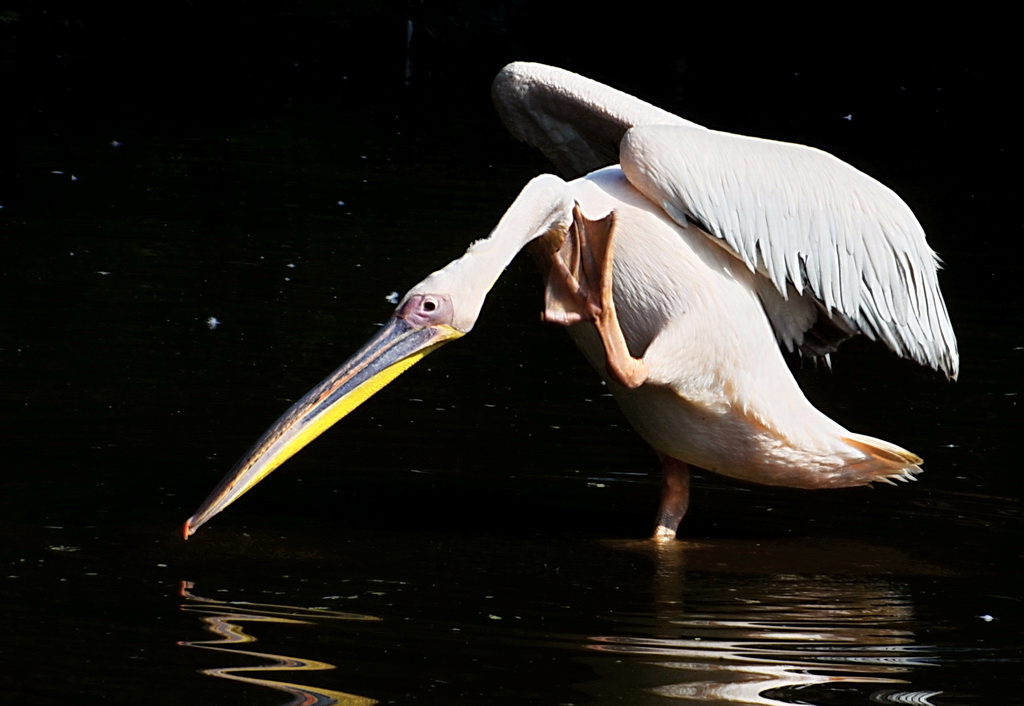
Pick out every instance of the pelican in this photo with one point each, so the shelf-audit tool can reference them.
(680, 260)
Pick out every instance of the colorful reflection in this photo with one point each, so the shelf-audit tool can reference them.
(224, 618)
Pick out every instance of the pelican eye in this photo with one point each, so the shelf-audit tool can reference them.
(426, 310)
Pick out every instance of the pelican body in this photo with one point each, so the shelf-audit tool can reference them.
(718, 392)
(680, 260)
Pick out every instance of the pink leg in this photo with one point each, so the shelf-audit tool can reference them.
(675, 498)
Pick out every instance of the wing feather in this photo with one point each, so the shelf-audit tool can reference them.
(803, 219)
(842, 252)
(575, 121)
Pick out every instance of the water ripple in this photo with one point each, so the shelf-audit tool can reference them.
(223, 618)
(768, 641)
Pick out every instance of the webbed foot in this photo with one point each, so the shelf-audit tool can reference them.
(579, 288)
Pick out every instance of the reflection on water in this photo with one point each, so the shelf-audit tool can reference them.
(770, 639)
(223, 619)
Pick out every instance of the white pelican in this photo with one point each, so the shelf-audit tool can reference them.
(679, 271)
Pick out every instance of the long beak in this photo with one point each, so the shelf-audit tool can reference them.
(397, 346)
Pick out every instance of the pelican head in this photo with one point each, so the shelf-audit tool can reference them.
(421, 324)
(441, 308)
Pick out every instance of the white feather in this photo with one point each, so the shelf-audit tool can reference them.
(834, 230)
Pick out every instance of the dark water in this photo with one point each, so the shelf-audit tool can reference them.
(474, 533)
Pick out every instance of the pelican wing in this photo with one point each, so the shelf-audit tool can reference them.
(576, 122)
(809, 223)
